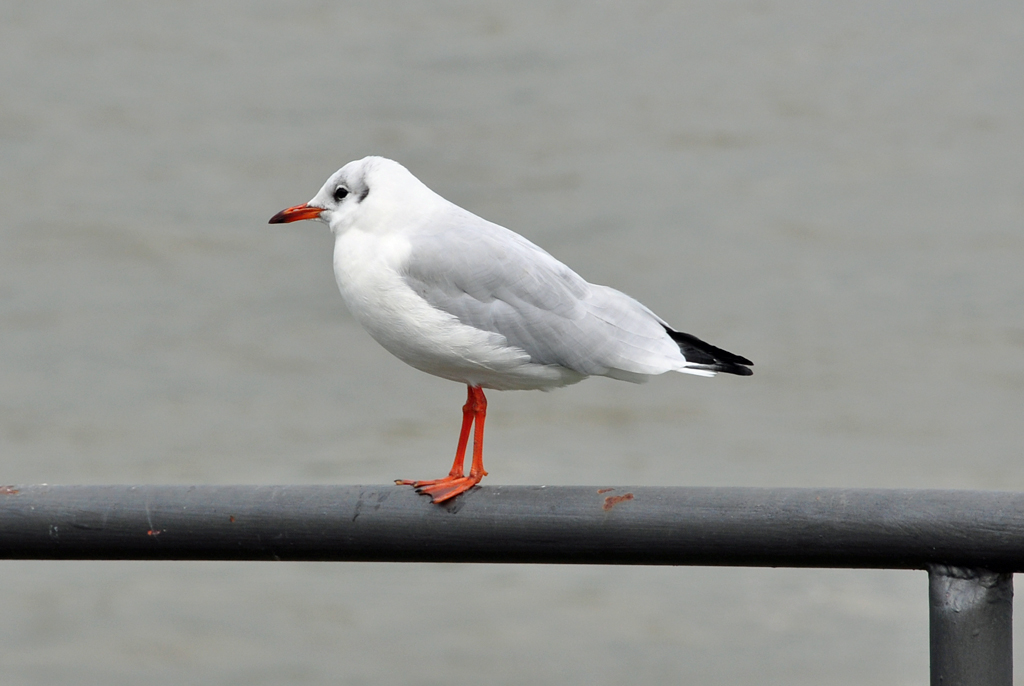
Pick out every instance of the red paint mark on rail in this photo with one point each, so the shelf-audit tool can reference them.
(613, 500)
(9, 490)
(605, 490)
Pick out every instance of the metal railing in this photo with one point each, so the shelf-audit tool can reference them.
(970, 542)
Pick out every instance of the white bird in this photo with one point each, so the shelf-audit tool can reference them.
(459, 297)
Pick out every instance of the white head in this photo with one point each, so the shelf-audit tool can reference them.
(373, 192)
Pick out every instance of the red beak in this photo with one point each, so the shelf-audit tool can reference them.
(297, 213)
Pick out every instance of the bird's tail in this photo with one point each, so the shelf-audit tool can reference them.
(704, 357)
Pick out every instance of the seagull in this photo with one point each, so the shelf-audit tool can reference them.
(459, 297)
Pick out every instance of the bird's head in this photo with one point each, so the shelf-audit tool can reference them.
(372, 191)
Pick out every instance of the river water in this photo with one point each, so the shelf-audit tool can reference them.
(835, 191)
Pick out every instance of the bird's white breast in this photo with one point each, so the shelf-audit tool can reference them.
(369, 270)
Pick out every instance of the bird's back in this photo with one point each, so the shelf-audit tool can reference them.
(495, 280)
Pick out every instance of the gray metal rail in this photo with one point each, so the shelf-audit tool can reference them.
(970, 542)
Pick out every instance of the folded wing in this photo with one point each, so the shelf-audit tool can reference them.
(493, 279)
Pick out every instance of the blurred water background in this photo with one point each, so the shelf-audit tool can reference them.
(835, 190)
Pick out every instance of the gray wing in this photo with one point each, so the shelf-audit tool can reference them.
(495, 280)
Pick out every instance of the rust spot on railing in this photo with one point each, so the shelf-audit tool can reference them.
(9, 490)
(613, 500)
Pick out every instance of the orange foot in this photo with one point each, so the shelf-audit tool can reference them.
(444, 489)
(473, 414)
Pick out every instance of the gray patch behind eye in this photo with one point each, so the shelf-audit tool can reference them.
(366, 192)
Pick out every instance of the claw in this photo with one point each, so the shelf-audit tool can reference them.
(444, 489)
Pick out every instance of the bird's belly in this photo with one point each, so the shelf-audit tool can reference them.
(424, 337)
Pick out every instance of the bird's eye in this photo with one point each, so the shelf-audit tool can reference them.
(339, 193)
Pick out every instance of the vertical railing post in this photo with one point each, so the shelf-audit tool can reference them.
(971, 617)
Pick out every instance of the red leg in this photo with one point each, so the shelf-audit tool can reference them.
(476, 470)
(467, 423)
(474, 413)
(460, 452)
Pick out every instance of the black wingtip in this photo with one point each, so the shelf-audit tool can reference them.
(706, 356)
